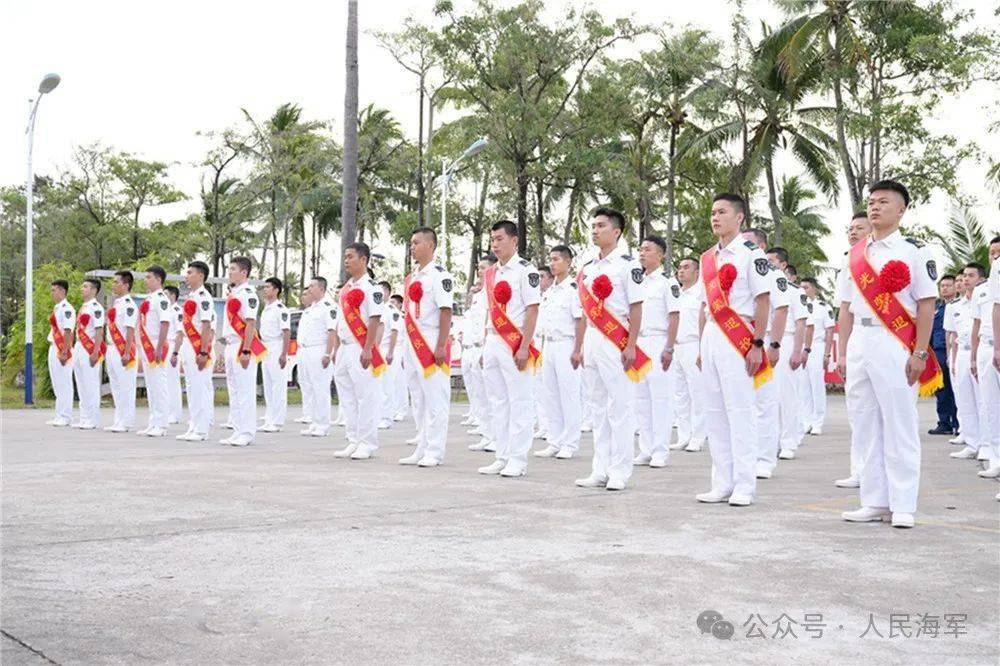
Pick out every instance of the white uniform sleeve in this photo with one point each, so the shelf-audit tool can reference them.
(799, 309)
(531, 286)
(444, 290)
(205, 310)
(780, 298)
(331, 316)
(635, 282)
(759, 283)
(995, 280)
(673, 293)
(248, 304)
(285, 319)
(99, 315)
(925, 275)
(375, 305)
(126, 317)
(575, 309)
(949, 318)
(845, 286)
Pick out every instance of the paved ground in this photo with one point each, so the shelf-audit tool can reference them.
(129, 550)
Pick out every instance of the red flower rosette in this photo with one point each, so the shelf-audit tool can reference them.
(144, 308)
(233, 306)
(112, 315)
(727, 276)
(190, 307)
(602, 287)
(894, 276)
(355, 297)
(502, 292)
(416, 292)
(84, 319)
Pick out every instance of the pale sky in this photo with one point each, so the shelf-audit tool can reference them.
(145, 77)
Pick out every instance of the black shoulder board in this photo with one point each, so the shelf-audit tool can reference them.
(439, 267)
(914, 241)
(523, 262)
(750, 244)
(589, 262)
(846, 252)
(627, 257)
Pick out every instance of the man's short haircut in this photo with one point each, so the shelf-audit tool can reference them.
(789, 268)
(693, 259)
(657, 241)
(244, 263)
(546, 270)
(810, 280)
(946, 276)
(490, 258)
(736, 200)
(96, 284)
(321, 280)
(276, 283)
(760, 237)
(361, 249)
(173, 291)
(893, 186)
(62, 284)
(860, 215)
(201, 267)
(396, 298)
(426, 231)
(159, 272)
(978, 267)
(615, 216)
(126, 277)
(779, 252)
(386, 286)
(995, 239)
(508, 227)
(565, 250)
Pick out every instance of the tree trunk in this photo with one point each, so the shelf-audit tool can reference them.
(302, 255)
(523, 181)
(772, 202)
(429, 203)
(420, 157)
(540, 221)
(349, 204)
(671, 197)
(838, 97)
(571, 214)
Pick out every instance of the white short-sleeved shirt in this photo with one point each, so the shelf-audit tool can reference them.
(159, 311)
(316, 321)
(204, 306)
(958, 319)
(982, 309)
(752, 274)
(65, 315)
(126, 313)
(821, 318)
(781, 294)
(438, 292)
(995, 280)
(919, 259)
(392, 319)
(798, 308)
(690, 309)
(559, 310)
(525, 291)
(97, 317)
(628, 281)
(274, 321)
(474, 320)
(662, 298)
(247, 297)
(372, 306)
(176, 320)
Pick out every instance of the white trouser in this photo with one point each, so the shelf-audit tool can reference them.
(654, 399)
(387, 385)
(402, 392)
(472, 377)
(200, 392)
(174, 395)
(690, 415)
(155, 378)
(88, 385)
(966, 390)
(768, 422)
(360, 399)
(122, 381)
(730, 418)
(612, 400)
(563, 400)
(305, 388)
(61, 377)
(587, 386)
(275, 380)
(885, 413)
(317, 378)
(989, 400)
(858, 447)
(789, 399)
(816, 373)
(541, 418)
(511, 395)
(229, 385)
(431, 398)
(242, 394)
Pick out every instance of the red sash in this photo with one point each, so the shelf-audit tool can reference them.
(191, 331)
(293, 346)
(239, 325)
(423, 352)
(504, 326)
(57, 336)
(728, 321)
(612, 329)
(893, 315)
(352, 315)
(85, 340)
(118, 339)
(147, 345)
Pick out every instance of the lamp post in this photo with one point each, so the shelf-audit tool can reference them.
(446, 173)
(47, 85)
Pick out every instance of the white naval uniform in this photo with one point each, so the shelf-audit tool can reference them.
(316, 321)
(654, 394)
(431, 395)
(61, 376)
(511, 391)
(174, 395)
(767, 396)
(399, 392)
(814, 384)
(274, 321)
(558, 314)
(473, 337)
(392, 321)
(958, 319)
(243, 394)
(789, 380)
(87, 376)
(689, 390)
(730, 411)
(983, 298)
(884, 405)
(198, 383)
(612, 391)
(155, 377)
(122, 379)
(358, 390)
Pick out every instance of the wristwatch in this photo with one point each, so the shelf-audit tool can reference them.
(921, 354)
(758, 342)
(775, 345)
(669, 350)
(202, 353)
(245, 352)
(807, 350)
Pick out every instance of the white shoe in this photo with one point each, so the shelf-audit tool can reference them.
(849, 482)
(428, 461)
(384, 425)
(316, 432)
(740, 500)
(958, 439)
(511, 470)
(968, 453)
(713, 497)
(303, 419)
(228, 426)
(787, 454)
(548, 452)
(658, 460)
(468, 420)
(591, 482)
(183, 436)
(586, 427)
(226, 441)
(642, 459)
(173, 421)
(495, 467)
(156, 432)
(58, 423)
(346, 451)
(815, 430)
(116, 428)
(144, 430)
(677, 446)
(399, 416)
(763, 472)
(239, 441)
(362, 454)
(902, 519)
(866, 514)
(983, 454)
(307, 431)
(268, 427)
(413, 440)
(491, 447)
(991, 472)
(474, 431)
(808, 430)
(539, 434)
(565, 454)
(614, 484)
(194, 437)
(410, 460)
(480, 445)
(693, 447)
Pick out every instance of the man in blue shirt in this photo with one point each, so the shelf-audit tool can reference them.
(946, 410)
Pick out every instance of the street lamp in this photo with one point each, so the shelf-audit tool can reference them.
(47, 85)
(446, 173)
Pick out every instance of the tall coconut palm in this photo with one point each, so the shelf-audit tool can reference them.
(965, 239)
(349, 204)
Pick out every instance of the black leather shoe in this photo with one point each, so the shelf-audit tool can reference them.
(940, 431)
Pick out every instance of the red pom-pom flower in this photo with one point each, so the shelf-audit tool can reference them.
(502, 292)
(727, 276)
(144, 308)
(416, 292)
(190, 307)
(355, 297)
(112, 315)
(84, 319)
(894, 276)
(602, 287)
(233, 305)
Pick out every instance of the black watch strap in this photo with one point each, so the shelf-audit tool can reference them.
(758, 342)
(775, 345)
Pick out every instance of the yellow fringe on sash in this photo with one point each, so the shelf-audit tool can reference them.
(764, 377)
(638, 374)
(931, 386)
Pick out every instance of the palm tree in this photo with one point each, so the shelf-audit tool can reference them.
(965, 240)
(349, 204)
(803, 225)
